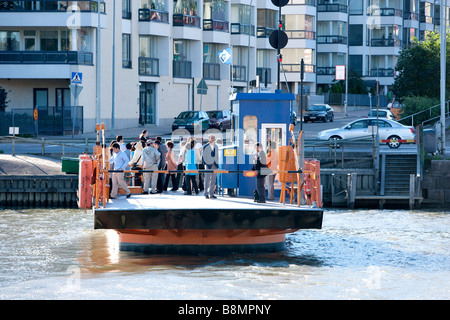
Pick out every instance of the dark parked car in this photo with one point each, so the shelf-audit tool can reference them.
(219, 119)
(322, 112)
(190, 119)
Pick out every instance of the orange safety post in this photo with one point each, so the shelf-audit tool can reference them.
(84, 181)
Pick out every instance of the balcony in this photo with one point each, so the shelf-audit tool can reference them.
(309, 68)
(46, 57)
(153, 15)
(263, 32)
(184, 20)
(211, 71)
(385, 12)
(215, 25)
(240, 28)
(148, 66)
(332, 8)
(385, 42)
(51, 6)
(332, 39)
(388, 72)
(182, 69)
(327, 71)
(300, 34)
(264, 73)
(238, 73)
(303, 2)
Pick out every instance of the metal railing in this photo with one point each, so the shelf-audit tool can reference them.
(51, 120)
(240, 28)
(51, 6)
(238, 73)
(153, 15)
(182, 69)
(426, 112)
(211, 71)
(215, 25)
(334, 39)
(46, 57)
(184, 20)
(148, 66)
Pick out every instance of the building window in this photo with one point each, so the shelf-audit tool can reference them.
(126, 50)
(126, 9)
(9, 40)
(250, 135)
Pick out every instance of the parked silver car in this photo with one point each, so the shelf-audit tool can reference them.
(391, 132)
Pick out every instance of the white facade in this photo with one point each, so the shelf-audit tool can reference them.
(153, 54)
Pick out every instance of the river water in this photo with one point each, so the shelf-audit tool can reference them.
(360, 254)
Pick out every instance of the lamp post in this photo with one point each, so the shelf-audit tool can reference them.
(98, 109)
(443, 16)
(248, 50)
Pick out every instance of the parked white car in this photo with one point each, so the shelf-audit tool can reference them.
(391, 132)
(382, 113)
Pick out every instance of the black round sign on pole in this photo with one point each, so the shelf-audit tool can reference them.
(273, 39)
(280, 3)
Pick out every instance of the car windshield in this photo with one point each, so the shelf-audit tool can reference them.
(381, 113)
(187, 115)
(317, 108)
(214, 114)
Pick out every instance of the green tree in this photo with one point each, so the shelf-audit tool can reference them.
(355, 84)
(418, 68)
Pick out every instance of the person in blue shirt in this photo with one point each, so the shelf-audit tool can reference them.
(190, 159)
(120, 161)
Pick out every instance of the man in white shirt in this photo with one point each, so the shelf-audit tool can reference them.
(120, 161)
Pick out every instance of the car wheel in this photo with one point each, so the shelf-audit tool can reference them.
(325, 119)
(221, 127)
(332, 118)
(334, 138)
(394, 142)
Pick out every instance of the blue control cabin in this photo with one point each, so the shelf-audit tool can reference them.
(258, 117)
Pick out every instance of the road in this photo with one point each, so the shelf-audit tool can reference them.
(79, 146)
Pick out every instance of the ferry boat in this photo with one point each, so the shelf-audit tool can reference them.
(175, 223)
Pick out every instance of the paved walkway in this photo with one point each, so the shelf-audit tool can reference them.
(29, 165)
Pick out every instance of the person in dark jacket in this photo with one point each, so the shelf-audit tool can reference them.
(259, 164)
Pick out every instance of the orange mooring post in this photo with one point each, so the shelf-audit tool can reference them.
(312, 182)
(84, 182)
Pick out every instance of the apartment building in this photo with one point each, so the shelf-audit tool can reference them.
(142, 60)
(151, 58)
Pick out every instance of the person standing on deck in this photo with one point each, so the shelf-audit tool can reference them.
(150, 158)
(120, 161)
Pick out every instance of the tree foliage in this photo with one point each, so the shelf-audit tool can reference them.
(418, 68)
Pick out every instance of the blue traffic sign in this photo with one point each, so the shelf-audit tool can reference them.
(77, 78)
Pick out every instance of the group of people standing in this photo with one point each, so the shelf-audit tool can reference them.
(148, 154)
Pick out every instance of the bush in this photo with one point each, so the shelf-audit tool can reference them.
(415, 104)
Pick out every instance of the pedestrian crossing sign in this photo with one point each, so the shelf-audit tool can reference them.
(77, 77)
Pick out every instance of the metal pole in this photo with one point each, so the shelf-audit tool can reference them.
(443, 72)
(248, 50)
(302, 72)
(278, 49)
(98, 110)
(113, 70)
(346, 67)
